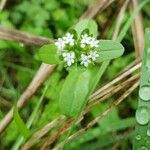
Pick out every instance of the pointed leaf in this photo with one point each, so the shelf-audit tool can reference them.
(48, 54)
(86, 24)
(20, 124)
(109, 49)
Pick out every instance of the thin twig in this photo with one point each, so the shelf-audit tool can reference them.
(99, 6)
(115, 80)
(101, 115)
(22, 37)
(39, 134)
(120, 19)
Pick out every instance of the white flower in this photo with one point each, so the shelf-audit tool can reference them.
(93, 42)
(60, 44)
(93, 55)
(84, 40)
(68, 39)
(88, 40)
(69, 58)
(85, 60)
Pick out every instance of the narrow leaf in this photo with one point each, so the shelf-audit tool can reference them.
(20, 124)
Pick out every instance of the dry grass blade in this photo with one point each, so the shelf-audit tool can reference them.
(115, 80)
(39, 134)
(93, 122)
(23, 37)
(100, 5)
(120, 19)
(111, 91)
(44, 71)
(2, 4)
(137, 30)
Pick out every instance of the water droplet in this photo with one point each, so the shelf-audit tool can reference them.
(144, 93)
(144, 148)
(148, 132)
(138, 137)
(142, 115)
(147, 141)
(148, 50)
(148, 65)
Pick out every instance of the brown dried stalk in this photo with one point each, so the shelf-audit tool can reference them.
(99, 6)
(22, 37)
(120, 19)
(100, 116)
(120, 77)
(137, 30)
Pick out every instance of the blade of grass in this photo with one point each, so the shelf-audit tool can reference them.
(142, 132)
(21, 139)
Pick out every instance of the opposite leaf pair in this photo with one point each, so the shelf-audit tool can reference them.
(80, 50)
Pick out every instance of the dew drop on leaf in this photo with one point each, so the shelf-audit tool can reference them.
(148, 50)
(148, 65)
(144, 148)
(148, 132)
(142, 115)
(144, 93)
(138, 137)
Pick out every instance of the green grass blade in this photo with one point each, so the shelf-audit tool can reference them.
(130, 20)
(21, 139)
(20, 124)
(142, 132)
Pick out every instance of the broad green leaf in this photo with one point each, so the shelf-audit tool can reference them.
(86, 24)
(109, 49)
(48, 54)
(20, 124)
(73, 95)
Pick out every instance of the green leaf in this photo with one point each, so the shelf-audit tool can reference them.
(20, 124)
(73, 95)
(86, 24)
(142, 116)
(48, 54)
(109, 49)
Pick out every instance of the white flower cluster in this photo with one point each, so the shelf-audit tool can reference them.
(69, 56)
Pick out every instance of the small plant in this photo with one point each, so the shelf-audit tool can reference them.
(142, 132)
(81, 54)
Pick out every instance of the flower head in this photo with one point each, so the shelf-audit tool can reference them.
(85, 60)
(93, 55)
(69, 58)
(88, 40)
(68, 39)
(60, 43)
(93, 42)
